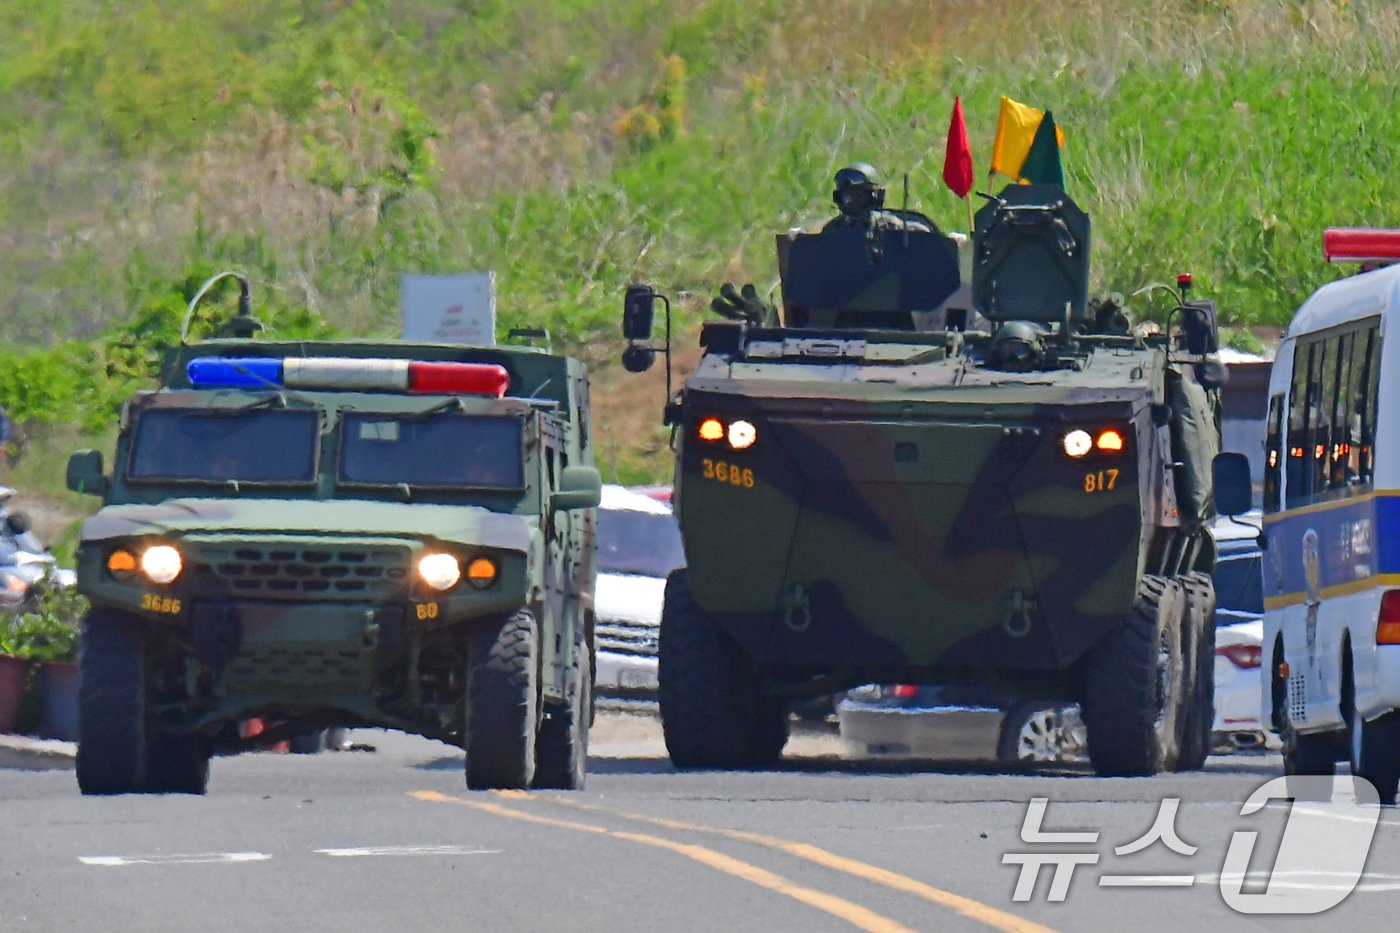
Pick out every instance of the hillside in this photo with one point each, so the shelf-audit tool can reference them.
(574, 145)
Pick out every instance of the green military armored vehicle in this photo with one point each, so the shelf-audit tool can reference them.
(990, 483)
(339, 533)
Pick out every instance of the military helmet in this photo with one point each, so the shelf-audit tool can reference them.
(858, 189)
(1016, 347)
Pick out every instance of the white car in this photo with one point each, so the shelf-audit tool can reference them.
(638, 545)
(1239, 634)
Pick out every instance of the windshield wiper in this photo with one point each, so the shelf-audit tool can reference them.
(275, 400)
(451, 404)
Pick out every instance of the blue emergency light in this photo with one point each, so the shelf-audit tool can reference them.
(209, 372)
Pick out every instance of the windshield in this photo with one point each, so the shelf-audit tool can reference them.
(641, 543)
(468, 451)
(262, 446)
(1239, 585)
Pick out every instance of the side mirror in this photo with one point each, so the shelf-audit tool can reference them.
(638, 312)
(581, 487)
(1198, 324)
(1211, 374)
(85, 473)
(1233, 490)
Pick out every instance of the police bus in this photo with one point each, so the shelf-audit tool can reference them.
(1331, 568)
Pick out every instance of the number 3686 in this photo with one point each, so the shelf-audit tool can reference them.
(730, 473)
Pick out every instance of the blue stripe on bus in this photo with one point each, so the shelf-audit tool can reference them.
(1335, 544)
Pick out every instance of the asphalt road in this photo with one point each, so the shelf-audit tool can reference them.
(391, 840)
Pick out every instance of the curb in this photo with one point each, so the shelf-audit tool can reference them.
(24, 753)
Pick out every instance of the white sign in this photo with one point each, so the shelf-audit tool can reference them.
(450, 308)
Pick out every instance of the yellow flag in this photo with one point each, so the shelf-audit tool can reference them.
(1015, 132)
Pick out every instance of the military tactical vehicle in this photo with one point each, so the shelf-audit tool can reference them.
(884, 490)
(337, 533)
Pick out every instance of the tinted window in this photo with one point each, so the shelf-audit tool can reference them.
(261, 446)
(469, 451)
(1239, 586)
(640, 543)
(1331, 416)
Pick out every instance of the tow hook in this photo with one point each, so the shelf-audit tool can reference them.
(1018, 614)
(797, 614)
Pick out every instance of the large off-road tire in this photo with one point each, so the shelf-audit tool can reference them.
(1132, 704)
(561, 756)
(712, 713)
(1375, 750)
(111, 704)
(1198, 651)
(502, 702)
(177, 764)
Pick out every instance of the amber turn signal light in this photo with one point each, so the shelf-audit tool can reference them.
(481, 572)
(1110, 441)
(121, 564)
(711, 429)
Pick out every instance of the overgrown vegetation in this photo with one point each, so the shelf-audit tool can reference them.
(574, 145)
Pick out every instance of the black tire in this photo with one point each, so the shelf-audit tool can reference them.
(111, 705)
(1198, 652)
(561, 757)
(177, 764)
(1375, 750)
(712, 713)
(308, 743)
(1132, 705)
(502, 702)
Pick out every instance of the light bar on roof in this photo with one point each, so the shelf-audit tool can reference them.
(349, 374)
(1361, 244)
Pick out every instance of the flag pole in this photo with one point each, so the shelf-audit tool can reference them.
(970, 225)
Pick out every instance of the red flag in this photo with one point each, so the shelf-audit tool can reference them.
(957, 161)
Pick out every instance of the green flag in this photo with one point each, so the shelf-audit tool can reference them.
(1042, 165)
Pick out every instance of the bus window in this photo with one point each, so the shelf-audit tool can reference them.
(1322, 387)
(1272, 465)
(1340, 402)
(1372, 381)
(1298, 426)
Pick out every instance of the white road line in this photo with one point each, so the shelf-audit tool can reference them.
(203, 858)
(406, 850)
(1371, 882)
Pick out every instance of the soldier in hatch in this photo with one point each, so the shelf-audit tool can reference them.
(860, 198)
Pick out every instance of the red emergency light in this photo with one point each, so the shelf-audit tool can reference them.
(458, 378)
(1361, 244)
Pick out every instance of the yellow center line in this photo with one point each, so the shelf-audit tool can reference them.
(854, 914)
(966, 906)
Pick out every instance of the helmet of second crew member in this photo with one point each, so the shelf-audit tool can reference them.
(858, 189)
(1017, 347)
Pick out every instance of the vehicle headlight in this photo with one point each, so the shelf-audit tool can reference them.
(742, 434)
(1077, 443)
(439, 571)
(161, 563)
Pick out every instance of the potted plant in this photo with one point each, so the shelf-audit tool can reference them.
(46, 633)
(13, 671)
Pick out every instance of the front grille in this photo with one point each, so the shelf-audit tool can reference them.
(304, 666)
(292, 570)
(622, 637)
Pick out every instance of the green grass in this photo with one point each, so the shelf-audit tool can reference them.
(576, 145)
